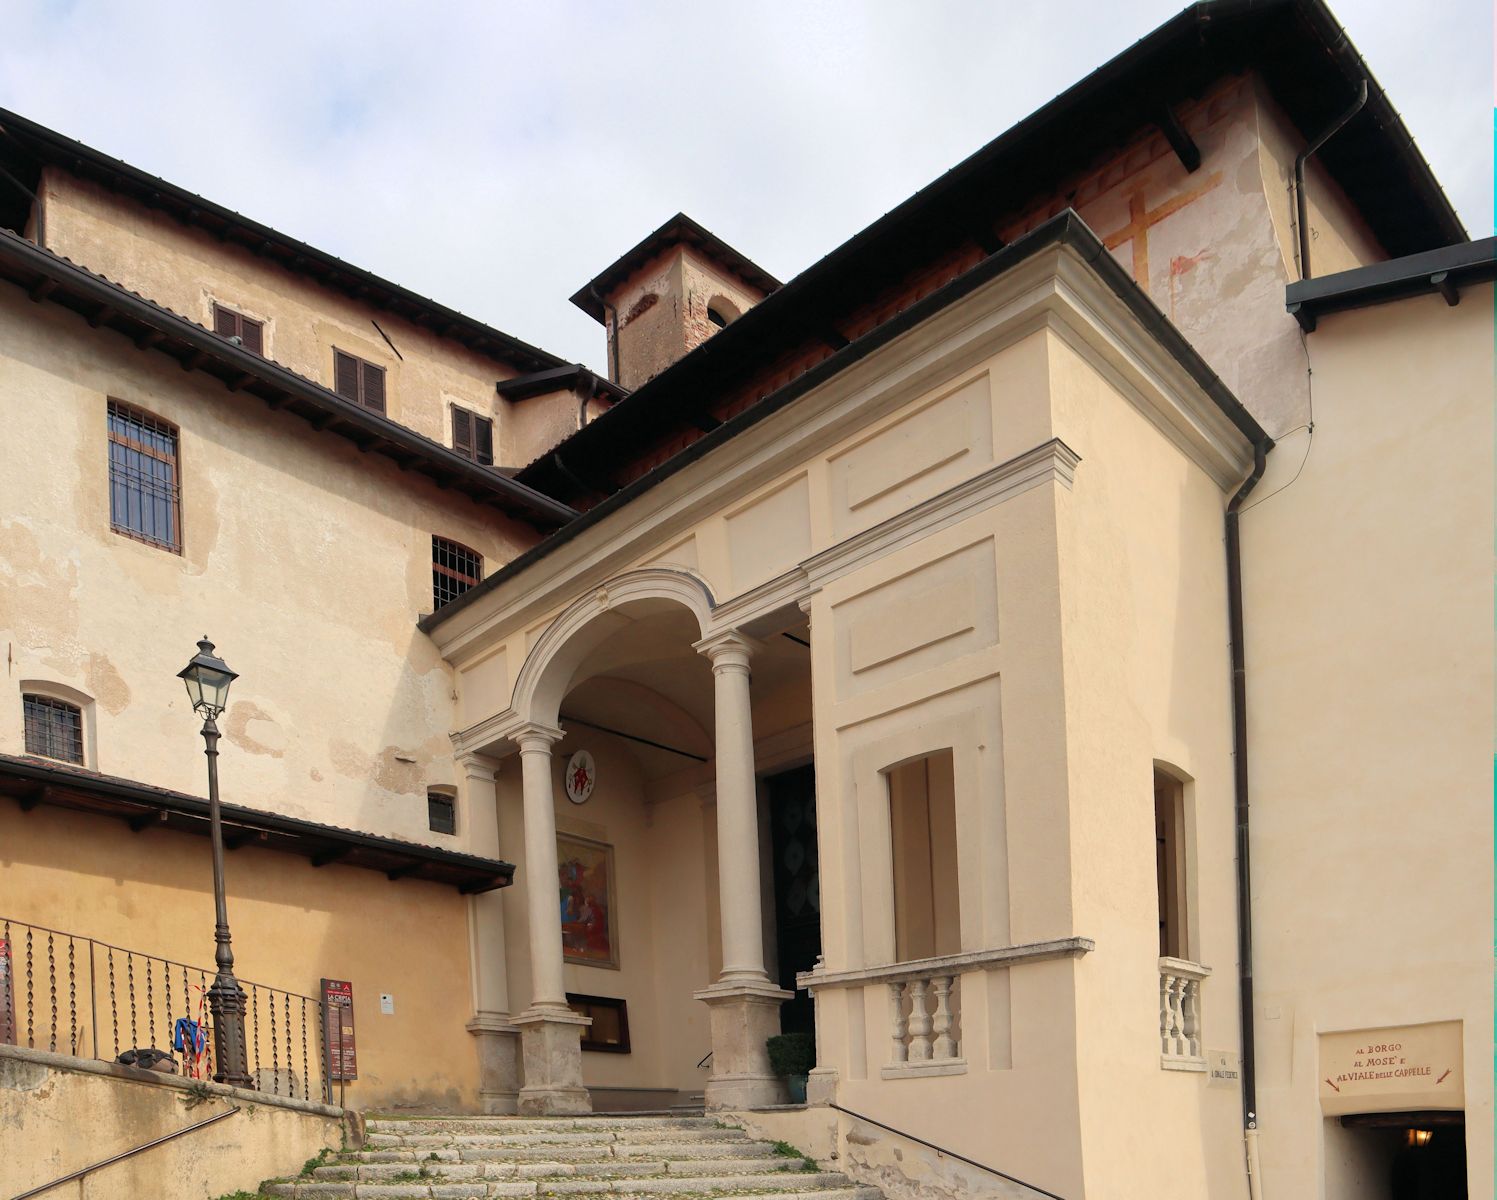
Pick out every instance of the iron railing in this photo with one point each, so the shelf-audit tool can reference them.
(82, 997)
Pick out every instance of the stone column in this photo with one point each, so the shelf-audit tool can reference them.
(497, 1039)
(744, 1005)
(550, 1032)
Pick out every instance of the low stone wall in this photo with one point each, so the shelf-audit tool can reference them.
(60, 1114)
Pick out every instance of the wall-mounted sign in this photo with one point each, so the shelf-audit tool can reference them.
(337, 1029)
(1224, 1069)
(581, 776)
(1392, 1069)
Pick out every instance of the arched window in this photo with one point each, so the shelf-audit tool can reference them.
(722, 312)
(441, 810)
(454, 569)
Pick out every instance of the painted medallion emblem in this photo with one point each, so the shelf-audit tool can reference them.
(581, 776)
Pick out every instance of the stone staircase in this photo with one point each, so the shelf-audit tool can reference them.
(456, 1158)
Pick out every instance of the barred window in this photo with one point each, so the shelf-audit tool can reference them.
(54, 728)
(144, 487)
(441, 812)
(454, 569)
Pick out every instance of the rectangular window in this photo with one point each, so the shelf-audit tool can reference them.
(441, 812)
(144, 489)
(922, 821)
(54, 728)
(454, 569)
(1169, 862)
(230, 324)
(473, 436)
(609, 1031)
(359, 381)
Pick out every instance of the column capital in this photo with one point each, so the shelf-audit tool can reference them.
(477, 766)
(728, 649)
(535, 738)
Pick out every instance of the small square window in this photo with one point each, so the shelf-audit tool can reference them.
(230, 324)
(441, 812)
(54, 728)
(360, 381)
(609, 1032)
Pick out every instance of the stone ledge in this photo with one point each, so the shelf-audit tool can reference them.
(919, 1070)
(1181, 1062)
(90, 1066)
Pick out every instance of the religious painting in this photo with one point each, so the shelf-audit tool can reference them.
(589, 910)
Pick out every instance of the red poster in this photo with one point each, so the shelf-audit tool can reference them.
(338, 1035)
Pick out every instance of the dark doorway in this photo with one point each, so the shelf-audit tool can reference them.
(797, 888)
(1407, 1155)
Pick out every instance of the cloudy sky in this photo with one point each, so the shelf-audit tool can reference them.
(495, 155)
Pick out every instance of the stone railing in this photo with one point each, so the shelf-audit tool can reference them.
(1180, 1015)
(924, 1000)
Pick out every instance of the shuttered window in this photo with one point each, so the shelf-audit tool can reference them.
(230, 324)
(359, 381)
(144, 488)
(473, 436)
(441, 812)
(454, 569)
(54, 728)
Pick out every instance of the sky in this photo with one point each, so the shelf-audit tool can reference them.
(496, 155)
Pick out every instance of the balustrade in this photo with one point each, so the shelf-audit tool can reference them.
(925, 1012)
(1180, 1014)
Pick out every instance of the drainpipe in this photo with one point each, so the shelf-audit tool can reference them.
(1299, 175)
(587, 391)
(1240, 782)
(612, 315)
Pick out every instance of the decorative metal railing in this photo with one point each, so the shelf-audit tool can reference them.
(1180, 1013)
(86, 998)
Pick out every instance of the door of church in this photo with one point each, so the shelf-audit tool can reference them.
(797, 888)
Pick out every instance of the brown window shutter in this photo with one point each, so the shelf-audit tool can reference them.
(346, 375)
(462, 431)
(483, 441)
(225, 321)
(374, 386)
(252, 335)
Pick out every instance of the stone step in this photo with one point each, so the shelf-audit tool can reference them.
(586, 1124)
(454, 1171)
(562, 1153)
(802, 1187)
(489, 1136)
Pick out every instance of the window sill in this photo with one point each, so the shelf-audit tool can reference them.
(919, 1070)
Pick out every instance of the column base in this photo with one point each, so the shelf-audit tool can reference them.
(742, 1016)
(551, 1045)
(497, 1040)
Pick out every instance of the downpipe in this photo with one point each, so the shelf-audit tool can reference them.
(1300, 204)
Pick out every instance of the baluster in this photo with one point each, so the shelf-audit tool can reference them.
(945, 1044)
(275, 1050)
(52, 989)
(7, 994)
(1164, 1013)
(897, 1022)
(1190, 1002)
(1177, 1033)
(150, 1006)
(114, 1008)
(72, 1001)
(325, 1052)
(290, 1061)
(920, 1022)
(205, 1021)
(306, 1076)
(130, 986)
(30, 1002)
(254, 1069)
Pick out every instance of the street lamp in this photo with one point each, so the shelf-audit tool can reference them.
(208, 678)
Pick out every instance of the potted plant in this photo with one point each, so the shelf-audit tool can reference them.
(792, 1055)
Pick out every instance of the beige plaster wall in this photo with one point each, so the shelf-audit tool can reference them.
(58, 1120)
(188, 270)
(293, 925)
(307, 562)
(1146, 676)
(1369, 596)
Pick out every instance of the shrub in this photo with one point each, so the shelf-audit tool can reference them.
(791, 1053)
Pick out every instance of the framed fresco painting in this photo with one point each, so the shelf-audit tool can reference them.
(589, 905)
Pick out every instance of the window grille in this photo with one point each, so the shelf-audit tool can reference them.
(144, 488)
(441, 812)
(454, 569)
(54, 728)
(359, 381)
(230, 324)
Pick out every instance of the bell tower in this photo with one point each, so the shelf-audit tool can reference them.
(668, 295)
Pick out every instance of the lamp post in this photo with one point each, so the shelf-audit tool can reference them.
(208, 678)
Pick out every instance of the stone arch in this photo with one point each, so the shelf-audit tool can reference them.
(590, 620)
